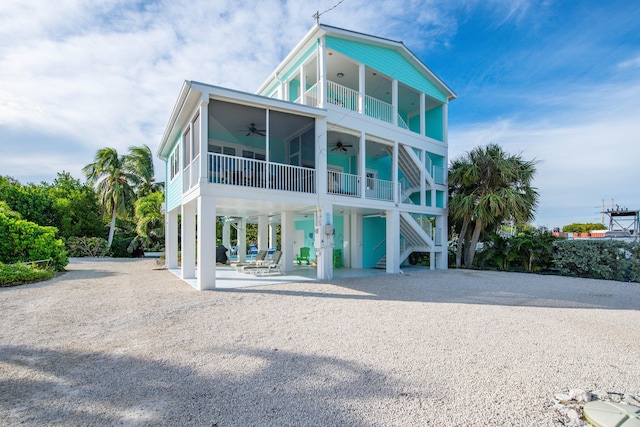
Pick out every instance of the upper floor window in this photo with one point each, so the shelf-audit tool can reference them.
(174, 163)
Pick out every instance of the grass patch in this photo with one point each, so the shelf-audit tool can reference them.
(19, 274)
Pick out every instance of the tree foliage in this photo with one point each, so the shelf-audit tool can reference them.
(120, 179)
(583, 228)
(486, 187)
(24, 241)
(66, 204)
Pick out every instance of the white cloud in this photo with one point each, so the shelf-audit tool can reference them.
(587, 146)
(631, 63)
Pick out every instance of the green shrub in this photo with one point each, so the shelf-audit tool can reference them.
(18, 274)
(600, 259)
(86, 246)
(27, 241)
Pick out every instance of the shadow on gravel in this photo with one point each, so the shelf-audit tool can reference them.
(481, 287)
(43, 386)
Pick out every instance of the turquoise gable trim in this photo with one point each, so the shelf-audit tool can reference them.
(387, 61)
(294, 68)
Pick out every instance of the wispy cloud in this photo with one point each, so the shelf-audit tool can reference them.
(586, 145)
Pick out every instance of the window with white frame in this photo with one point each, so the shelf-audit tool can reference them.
(174, 163)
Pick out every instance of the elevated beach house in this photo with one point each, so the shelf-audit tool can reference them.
(344, 146)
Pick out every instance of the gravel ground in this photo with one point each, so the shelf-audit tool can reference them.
(126, 343)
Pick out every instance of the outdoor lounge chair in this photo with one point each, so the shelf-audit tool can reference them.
(258, 260)
(304, 255)
(268, 267)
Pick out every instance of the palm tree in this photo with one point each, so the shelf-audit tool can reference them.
(140, 163)
(113, 178)
(150, 219)
(488, 186)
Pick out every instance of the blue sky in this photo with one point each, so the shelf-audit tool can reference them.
(558, 81)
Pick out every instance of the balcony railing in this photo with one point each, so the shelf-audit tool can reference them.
(312, 96)
(231, 170)
(342, 96)
(402, 123)
(379, 189)
(344, 184)
(378, 109)
(438, 175)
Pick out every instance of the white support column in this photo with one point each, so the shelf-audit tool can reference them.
(242, 240)
(394, 172)
(423, 119)
(171, 239)
(362, 164)
(442, 257)
(188, 241)
(287, 230)
(267, 145)
(361, 88)
(285, 90)
(321, 157)
(393, 241)
(322, 72)
(324, 242)
(273, 235)
(394, 101)
(206, 242)
(356, 240)
(303, 83)
(263, 232)
(346, 240)
(432, 260)
(204, 139)
(423, 179)
(226, 235)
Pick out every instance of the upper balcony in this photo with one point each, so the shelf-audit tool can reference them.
(357, 87)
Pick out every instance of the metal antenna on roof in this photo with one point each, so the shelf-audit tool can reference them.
(317, 15)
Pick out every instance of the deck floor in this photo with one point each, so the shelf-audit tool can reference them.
(228, 278)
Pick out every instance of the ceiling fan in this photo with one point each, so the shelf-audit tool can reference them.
(341, 147)
(253, 130)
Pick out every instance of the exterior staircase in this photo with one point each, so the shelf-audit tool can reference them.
(411, 165)
(417, 236)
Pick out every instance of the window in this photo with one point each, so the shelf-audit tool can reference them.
(186, 144)
(195, 143)
(174, 162)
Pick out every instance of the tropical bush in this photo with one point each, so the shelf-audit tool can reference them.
(530, 250)
(19, 274)
(86, 246)
(598, 259)
(24, 240)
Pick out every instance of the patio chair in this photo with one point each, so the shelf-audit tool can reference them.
(304, 255)
(268, 267)
(259, 259)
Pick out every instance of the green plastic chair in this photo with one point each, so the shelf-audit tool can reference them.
(304, 255)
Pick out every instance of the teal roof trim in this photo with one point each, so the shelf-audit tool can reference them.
(389, 62)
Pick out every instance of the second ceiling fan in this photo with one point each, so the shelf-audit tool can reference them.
(341, 147)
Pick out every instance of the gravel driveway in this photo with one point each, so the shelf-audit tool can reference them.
(122, 342)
